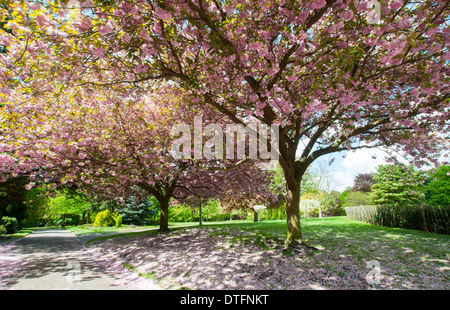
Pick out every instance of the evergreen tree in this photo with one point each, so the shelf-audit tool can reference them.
(398, 185)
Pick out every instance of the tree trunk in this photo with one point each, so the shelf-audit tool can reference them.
(255, 216)
(200, 222)
(164, 218)
(294, 233)
(293, 174)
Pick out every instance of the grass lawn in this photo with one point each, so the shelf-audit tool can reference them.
(87, 229)
(247, 255)
(20, 234)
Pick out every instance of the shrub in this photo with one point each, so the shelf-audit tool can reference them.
(11, 225)
(181, 213)
(118, 221)
(104, 219)
(309, 208)
(269, 214)
(356, 198)
(2, 230)
(282, 212)
(274, 214)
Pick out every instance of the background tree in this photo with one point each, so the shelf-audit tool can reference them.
(438, 189)
(63, 205)
(196, 203)
(36, 200)
(120, 146)
(13, 199)
(357, 198)
(136, 212)
(363, 182)
(398, 185)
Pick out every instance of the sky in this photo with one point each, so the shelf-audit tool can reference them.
(347, 165)
(344, 170)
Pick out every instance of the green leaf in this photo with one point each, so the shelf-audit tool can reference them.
(411, 41)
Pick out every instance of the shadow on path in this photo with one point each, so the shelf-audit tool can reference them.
(57, 259)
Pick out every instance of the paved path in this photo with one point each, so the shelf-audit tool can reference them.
(55, 259)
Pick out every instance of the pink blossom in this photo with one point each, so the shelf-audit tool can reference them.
(396, 4)
(318, 4)
(42, 20)
(446, 56)
(163, 14)
(106, 29)
(347, 14)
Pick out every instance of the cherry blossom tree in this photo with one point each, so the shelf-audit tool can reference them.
(334, 75)
(116, 146)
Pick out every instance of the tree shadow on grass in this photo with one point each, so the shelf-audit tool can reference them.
(243, 257)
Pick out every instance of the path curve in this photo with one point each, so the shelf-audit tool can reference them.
(55, 259)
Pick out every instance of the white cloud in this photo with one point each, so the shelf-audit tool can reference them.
(354, 163)
(364, 160)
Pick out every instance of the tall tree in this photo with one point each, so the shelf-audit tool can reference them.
(398, 185)
(333, 74)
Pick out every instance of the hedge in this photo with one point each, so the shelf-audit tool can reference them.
(434, 219)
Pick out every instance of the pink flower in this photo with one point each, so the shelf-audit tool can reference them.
(318, 4)
(99, 52)
(141, 68)
(347, 15)
(244, 14)
(42, 20)
(126, 39)
(446, 56)
(396, 4)
(104, 30)
(163, 14)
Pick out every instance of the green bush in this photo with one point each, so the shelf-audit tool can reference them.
(282, 212)
(118, 221)
(274, 214)
(104, 219)
(182, 213)
(269, 214)
(2, 230)
(211, 211)
(11, 225)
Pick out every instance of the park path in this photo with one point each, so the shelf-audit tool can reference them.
(55, 259)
